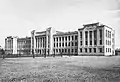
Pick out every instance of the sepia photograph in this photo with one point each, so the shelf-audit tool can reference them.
(59, 40)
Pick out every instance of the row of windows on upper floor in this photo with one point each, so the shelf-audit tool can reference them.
(91, 42)
(65, 38)
(68, 51)
(91, 34)
(66, 44)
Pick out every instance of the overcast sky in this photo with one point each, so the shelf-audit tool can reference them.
(19, 17)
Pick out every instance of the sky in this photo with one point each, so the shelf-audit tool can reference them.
(20, 17)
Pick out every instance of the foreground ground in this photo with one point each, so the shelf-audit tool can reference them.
(61, 69)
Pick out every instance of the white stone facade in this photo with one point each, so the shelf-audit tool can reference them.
(96, 39)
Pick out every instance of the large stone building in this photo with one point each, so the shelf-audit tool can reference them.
(91, 39)
(11, 45)
(15, 45)
(96, 39)
(24, 45)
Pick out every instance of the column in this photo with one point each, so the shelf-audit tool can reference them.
(88, 38)
(93, 38)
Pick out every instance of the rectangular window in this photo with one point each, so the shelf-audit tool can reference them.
(62, 44)
(76, 50)
(54, 39)
(72, 44)
(56, 50)
(81, 50)
(86, 42)
(69, 44)
(76, 43)
(66, 44)
(90, 50)
(85, 50)
(66, 38)
(80, 35)
(81, 43)
(69, 38)
(72, 37)
(76, 37)
(65, 50)
(62, 38)
(100, 42)
(59, 44)
(94, 50)
(72, 50)
(100, 50)
(59, 38)
(90, 42)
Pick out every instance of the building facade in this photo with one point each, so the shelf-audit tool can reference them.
(15, 45)
(24, 45)
(96, 39)
(65, 43)
(91, 39)
(11, 45)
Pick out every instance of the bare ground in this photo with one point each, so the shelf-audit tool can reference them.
(61, 69)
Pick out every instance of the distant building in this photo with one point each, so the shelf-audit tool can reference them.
(91, 39)
(15, 45)
(96, 39)
(24, 45)
(11, 45)
(65, 43)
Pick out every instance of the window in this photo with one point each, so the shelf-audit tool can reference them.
(106, 42)
(54, 39)
(60, 50)
(106, 33)
(59, 38)
(59, 44)
(100, 33)
(100, 42)
(62, 44)
(90, 50)
(66, 44)
(100, 50)
(69, 44)
(72, 37)
(68, 50)
(62, 38)
(54, 44)
(90, 42)
(94, 50)
(76, 37)
(81, 50)
(86, 42)
(65, 50)
(81, 35)
(75, 50)
(81, 43)
(86, 35)
(72, 50)
(56, 50)
(72, 44)
(85, 50)
(69, 38)
(76, 43)
(106, 49)
(66, 38)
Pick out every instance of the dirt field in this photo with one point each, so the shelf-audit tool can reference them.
(61, 69)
